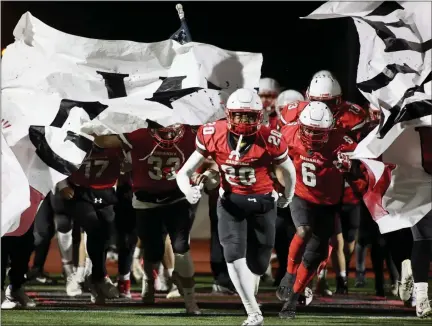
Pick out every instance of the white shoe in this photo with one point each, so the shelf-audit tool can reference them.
(308, 295)
(255, 319)
(173, 293)
(162, 280)
(17, 299)
(137, 269)
(423, 308)
(73, 286)
(406, 285)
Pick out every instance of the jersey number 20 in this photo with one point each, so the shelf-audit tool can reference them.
(245, 174)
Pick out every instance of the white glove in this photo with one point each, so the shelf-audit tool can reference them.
(282, 202)
(194, 194)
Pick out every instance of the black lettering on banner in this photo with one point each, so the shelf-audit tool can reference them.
(114, 83)
(210, 85)
(171, 90)
(391, 42)
(385, 77)
(38, 138)
(386, 8)
(411, 111)
(170, 84)
(93, 109)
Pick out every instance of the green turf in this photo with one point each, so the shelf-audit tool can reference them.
(173, 317)
(161, 315)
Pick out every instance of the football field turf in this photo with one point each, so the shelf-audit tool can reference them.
(360, 307)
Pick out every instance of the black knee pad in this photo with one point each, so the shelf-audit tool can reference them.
(153, 248)
(350, 234)
(316, 251)
(63, 223)
(259, 263)
(304, 231)
(180, 246)
(231, 253)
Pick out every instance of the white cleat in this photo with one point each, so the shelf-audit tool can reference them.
(423, 308)
(16, 299)
(173, 293)
(406, 285)
(73, 285)
(254, 319)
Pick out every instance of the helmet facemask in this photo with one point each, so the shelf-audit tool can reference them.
(244, 122)
(167, 137)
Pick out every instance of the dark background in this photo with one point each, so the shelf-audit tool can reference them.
(293, 49)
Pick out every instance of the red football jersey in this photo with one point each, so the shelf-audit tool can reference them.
(318, 180)
(348, 116)
(154, 168)
(273, 122)
(249, 173)
(100, 170)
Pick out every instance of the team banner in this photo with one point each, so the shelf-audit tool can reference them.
(58, 89)
(394, 74)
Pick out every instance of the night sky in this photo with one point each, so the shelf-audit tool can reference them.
(293, 49)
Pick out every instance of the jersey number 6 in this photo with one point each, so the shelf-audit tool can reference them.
(308, 175)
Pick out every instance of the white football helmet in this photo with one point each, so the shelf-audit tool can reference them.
(269, 89)
(316, 121)
(322, 73)
(287, 97)
(325, 88)
(244, 112)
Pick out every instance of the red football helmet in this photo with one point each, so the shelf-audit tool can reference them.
(316, 121)
(168, 136)
(244, 112)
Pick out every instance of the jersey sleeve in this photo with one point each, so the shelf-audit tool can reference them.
(357, 117)
(200, 142)
(276, 146)
(289, 113)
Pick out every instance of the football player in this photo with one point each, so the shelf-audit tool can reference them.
(318, 155)
(244, 151)
(269, 90)
(349, 118)
(157, 154)
(89, 199)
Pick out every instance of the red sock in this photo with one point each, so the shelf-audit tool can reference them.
(295, 254)
(325, 262)
(304, 276)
